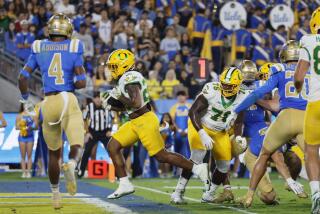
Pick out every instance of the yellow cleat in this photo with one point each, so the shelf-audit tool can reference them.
(246, 201)
(225, 196)
(69, 175)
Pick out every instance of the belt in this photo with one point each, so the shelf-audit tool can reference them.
(55, 93)
(139, 112)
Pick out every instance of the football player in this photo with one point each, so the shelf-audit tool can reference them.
(131, 91)
(309, 59)
(60, 62)
(211, 116)
(288, 123)
(255, 127)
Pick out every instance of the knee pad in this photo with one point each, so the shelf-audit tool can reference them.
(223, 165)
(198, 156)
(268, 198)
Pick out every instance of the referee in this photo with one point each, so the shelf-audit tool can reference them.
(99, 123)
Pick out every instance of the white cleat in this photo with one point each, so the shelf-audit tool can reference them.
(315, 209)
(28, 175)
(123, 189)
(177, 198)
(23, 175)
(207, 197)
(70, 178)
(201, 170)
(56, 200)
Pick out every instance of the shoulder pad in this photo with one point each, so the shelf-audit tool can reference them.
(36, 46)
(76, 46)
(277, 68)
(132, 77)
(209, 87)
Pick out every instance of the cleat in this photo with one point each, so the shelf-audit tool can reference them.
(177, 198)
(246, 201)
(207, 197)
(69, 176)
(56, 200)
(123, 190)
(315, 209)
(225, 196)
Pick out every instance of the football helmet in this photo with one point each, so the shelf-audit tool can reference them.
(289, 51)
(230, 81)
(60, 25)
(119, 62)
(249, 70)
(315, 21)
(264, 71)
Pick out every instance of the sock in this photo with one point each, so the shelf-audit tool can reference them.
(72, 163)
(54, 187)
(181, 185)
(227, 187)
(213, 187)
(314, 186)
(124, 180)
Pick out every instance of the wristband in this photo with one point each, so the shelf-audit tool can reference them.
(25, 73)
(80, 77)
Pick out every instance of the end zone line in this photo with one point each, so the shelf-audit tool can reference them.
(195, 200)
(107, 206)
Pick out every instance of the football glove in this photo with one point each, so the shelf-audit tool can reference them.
(105, 96)
(295, 186)
(206, 140)
(115, 93)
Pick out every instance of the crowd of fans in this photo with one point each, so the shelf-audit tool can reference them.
(164, 35)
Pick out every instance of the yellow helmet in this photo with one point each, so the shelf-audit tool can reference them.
(264, 71)
(230, 81)
(60, 25)
(289, 51)
(119, 62)
(249, 70)
(315, 21)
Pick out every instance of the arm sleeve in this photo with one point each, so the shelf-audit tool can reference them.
(257, 94)
(85, 112)
(79, 57)
(32, 62)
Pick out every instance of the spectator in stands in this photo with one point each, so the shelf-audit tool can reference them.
(19, 6)
(260, 34)
(179, 113)
(169, 83)
(10, 39)
(303, 30)
(145, 42)
(91, 26)
(132, 10)
(154, 87)
(120, 38)
(26, 124)
(105, 28)
(262, 54)
(213, 73)
(87, 40)
(170, 45)
(24, 41)
(179, 29)
(257, 18)
(41, 18)
(4, 19)
(99, 79)
(49, 8)
(243, 41)
(65, 7)
(11, 11)
(160, 22)
(279, 38)
(3, 122)
(96, 15)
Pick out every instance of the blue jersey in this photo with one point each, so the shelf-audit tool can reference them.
(281, 78)
(254, 117)
(56, 61)
(180, 114)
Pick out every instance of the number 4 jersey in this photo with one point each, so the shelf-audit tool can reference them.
(310, 51)
(134, 77)
(220, 111)
(56, 61)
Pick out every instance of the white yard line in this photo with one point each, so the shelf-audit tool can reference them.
(195, 200)
(201, 187)
(107, 206)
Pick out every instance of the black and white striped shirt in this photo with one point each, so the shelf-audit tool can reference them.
(100, 119)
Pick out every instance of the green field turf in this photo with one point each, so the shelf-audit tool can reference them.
(159, 190)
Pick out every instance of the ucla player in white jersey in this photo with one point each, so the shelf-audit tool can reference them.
(310, 59)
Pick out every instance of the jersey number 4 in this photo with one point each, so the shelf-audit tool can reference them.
(55, 69)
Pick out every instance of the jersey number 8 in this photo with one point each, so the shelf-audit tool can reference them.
(55, 69)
